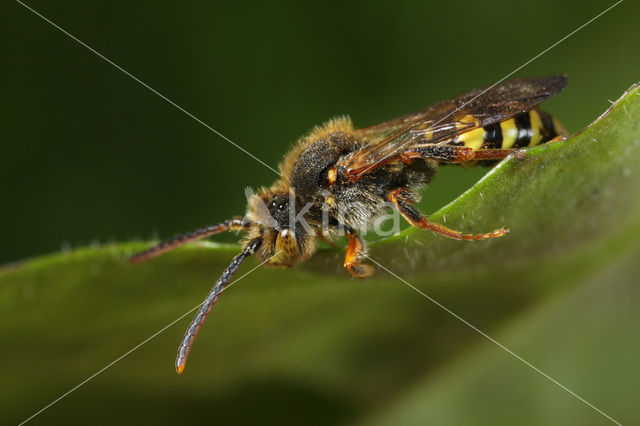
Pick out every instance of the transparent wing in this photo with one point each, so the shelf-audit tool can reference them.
(441, 122)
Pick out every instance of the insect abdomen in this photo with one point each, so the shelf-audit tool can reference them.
(527, 129)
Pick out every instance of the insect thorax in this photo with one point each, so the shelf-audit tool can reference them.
(353, 204)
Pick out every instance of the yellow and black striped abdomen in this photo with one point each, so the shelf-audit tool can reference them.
(526, 129)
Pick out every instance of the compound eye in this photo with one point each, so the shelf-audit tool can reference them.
(277, 205)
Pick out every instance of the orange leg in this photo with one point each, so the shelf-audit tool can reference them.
(499, 154)
(559, 138)
(444, 153)
(401, 198)
(493, 154)
(355, 252)
(456, 154)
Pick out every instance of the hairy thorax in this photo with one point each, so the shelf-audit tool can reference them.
(355, 205)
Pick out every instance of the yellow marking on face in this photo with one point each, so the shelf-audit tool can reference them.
(286, 249)
(330, 200)
(509, 133)
(472, 139)
(536, 128)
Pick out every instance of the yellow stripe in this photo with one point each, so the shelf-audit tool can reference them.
(472, 139)
(467, 119)
(509, 133)
(536, 128)
(560, 130)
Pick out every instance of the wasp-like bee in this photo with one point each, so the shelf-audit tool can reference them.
(342, 178)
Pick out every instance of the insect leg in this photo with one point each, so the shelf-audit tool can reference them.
(402, 197)
(443, 153)
(559, 138)
(453, 154)
(499, 154)
(494, 154)
(355, 252)
(235, 224)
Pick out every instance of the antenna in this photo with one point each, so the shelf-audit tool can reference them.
(180, 240)
(212, 297)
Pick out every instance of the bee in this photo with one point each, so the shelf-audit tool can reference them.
(340, 178)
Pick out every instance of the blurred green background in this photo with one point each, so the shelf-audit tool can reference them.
(91, 156)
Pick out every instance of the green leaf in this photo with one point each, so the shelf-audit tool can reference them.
(312, 345)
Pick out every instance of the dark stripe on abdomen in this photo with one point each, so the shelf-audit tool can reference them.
(523, 123)
(548, 128)
(492, 136)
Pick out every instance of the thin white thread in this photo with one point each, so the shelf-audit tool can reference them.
(500, 345)
(150, 88)
(133, 349)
